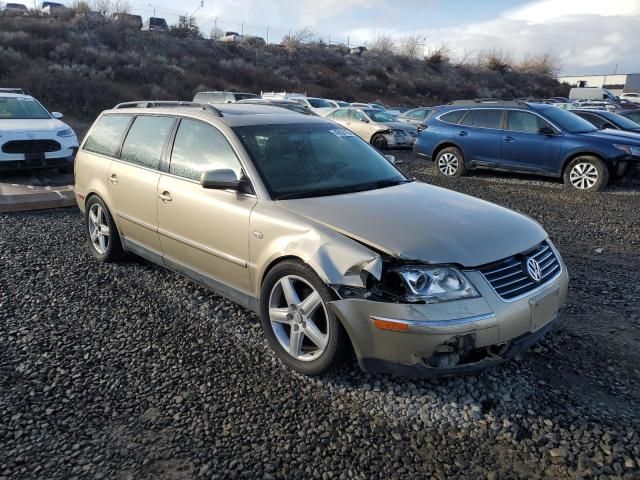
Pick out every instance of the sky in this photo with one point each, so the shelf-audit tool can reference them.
(585, 36)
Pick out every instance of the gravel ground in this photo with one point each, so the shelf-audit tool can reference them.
(129, 371)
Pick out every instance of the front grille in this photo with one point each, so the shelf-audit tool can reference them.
(31, 146)
(510, 277)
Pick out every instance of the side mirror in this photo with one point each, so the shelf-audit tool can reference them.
(547, 131)
(223, 179)
(421, 127)
(364, 120)
(57, 115)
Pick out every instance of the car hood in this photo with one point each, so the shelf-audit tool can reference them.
(416, 221)
(32, 126)
(616, 135)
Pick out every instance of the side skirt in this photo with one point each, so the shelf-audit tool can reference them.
(245, 300)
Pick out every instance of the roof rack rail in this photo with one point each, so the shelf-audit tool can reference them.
(488, 101)
(169, 103)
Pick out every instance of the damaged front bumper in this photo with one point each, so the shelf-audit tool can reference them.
(452, 337)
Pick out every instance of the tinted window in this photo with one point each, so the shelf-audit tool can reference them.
(145, 140)
(483, 118)
(358, 115)
(453, 117)
(199, 148)
(525, 122)
(107, 134)
(307, 160)
(20, 108)
(593, 119)
(341, 114)
(635, 116)
(378, 116)
(319, 103)
(567, 120)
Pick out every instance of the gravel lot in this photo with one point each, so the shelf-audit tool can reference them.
(129, 371)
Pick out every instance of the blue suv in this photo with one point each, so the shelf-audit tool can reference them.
(530, 138)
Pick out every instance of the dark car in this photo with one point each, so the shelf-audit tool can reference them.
(530, 138)
(212, 98)
(631, 114)
(289, 105)
(604, 119)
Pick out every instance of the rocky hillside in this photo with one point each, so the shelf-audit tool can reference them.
(81, 65)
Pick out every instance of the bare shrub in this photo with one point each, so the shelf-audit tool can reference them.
(411, 46)
(495, 60)
(382, 44)
(299, 37)
(544, 64)
(437, 57)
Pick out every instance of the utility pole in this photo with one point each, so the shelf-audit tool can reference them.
(242, 32)
(154, 9)
(267, 34)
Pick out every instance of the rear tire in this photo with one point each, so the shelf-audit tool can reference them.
(379, 142)
(293, 305)
(586, 174)
(102, 233)
(450, 162)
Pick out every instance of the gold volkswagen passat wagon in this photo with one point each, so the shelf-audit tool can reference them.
(301, 221)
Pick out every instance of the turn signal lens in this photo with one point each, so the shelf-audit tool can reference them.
(390, 325)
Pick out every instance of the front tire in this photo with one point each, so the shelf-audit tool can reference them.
(296, 321)
(379, 142)
(587, 174)
(450, 162)
(102, 233)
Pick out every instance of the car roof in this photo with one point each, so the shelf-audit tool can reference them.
(14, 95)
(233, 114)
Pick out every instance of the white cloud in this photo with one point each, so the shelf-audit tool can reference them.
(584, 35)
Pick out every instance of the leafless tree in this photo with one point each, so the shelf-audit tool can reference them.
(80, 6)
(299, 37)
(411, 46)
(437, 56)
(121, 6)
(383, 43)
(102, 6)
(216, 33)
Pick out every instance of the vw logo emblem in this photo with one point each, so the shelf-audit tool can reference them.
(534, 270)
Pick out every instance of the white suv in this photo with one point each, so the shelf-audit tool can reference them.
(31, 137)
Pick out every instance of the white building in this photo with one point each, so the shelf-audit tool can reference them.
(617, 83)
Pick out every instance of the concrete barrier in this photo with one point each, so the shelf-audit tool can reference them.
(19, 198)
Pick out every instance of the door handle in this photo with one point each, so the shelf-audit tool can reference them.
(509, 139)
(165, 196)
(113, 178)
(463, 134)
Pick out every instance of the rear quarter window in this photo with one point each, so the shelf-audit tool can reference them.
(106, 135)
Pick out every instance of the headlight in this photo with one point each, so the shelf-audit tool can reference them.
(629, 150)
(435, 284)
(66, 133)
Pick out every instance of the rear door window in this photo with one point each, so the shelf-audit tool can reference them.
(106, 135)
(417, 114)
(218, 97)
(202, 97)
(341, 114)
(453, 117)
(198, 148)
(145, 140)
(481, 118)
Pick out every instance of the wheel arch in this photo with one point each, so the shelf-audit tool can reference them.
(445, 144)
(585, 153)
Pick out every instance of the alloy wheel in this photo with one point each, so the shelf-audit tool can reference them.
(583, 176)
(299, 318)
(98, 228)
(448, 164)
